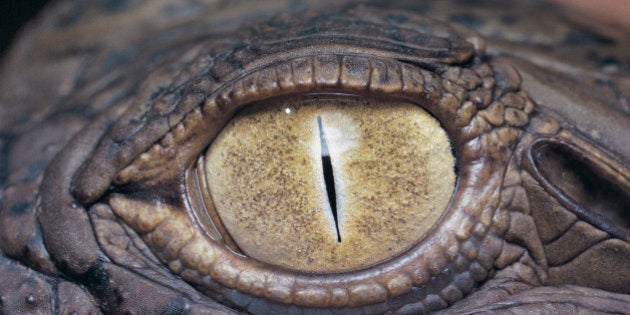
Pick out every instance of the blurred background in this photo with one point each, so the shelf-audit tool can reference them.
(13, 14)
(609, 16)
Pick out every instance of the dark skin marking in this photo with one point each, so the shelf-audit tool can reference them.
(4, 156)
(114, 5)
(397, 18)
(582, 36)
(175, 307)
(468, 20)
(95, 278)
(71, 17)
(509, 19)
(20, 207)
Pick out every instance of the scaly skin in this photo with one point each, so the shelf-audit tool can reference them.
(102, 132)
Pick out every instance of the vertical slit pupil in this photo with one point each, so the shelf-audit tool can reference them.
(329, 178)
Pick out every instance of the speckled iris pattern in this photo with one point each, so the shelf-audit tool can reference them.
(393, 177)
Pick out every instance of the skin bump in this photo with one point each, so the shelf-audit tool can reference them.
(269, 189)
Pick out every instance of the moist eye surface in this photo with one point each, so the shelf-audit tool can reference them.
(329, 184)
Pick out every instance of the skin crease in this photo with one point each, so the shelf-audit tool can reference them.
(102, 202)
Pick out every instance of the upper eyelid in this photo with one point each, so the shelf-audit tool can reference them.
(114, 154)
(222, 104)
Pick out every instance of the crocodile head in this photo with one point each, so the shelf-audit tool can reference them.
(204, 157)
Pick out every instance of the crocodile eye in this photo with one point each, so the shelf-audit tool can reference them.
(327, 184)
(351, 160)
(358, 170)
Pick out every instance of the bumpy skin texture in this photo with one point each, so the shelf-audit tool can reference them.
(105, 108)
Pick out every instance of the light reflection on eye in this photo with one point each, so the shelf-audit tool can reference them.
(330, 184)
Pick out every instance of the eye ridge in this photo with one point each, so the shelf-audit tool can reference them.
(227, 65)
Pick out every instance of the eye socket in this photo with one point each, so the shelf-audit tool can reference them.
(327, 183)
(200, 247)
(162, 197)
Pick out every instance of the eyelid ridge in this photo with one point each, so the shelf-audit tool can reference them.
(298, 76)
(224, 61)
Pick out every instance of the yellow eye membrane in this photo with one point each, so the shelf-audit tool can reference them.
(330, 184)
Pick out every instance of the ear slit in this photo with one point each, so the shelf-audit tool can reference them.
(585, 185)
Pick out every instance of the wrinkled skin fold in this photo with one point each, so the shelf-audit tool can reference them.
(107, 107)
